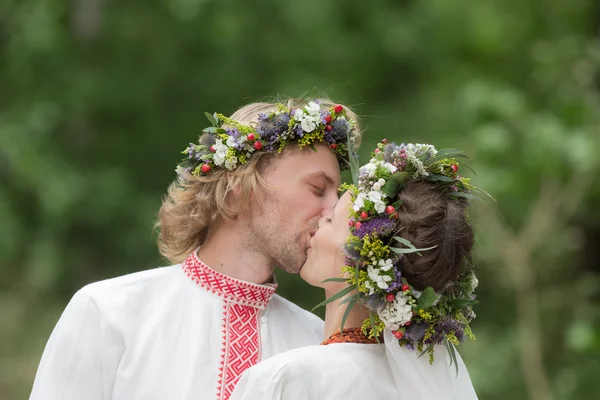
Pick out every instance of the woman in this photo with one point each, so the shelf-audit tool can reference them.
(402, 241)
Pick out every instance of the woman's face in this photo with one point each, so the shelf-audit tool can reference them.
(324, 258)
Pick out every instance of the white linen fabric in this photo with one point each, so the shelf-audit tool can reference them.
(353, 371)
(179, 332)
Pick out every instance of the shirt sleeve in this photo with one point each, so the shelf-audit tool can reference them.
(71, 366)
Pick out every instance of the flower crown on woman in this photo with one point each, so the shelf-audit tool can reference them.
(419, 319)
(229, 144)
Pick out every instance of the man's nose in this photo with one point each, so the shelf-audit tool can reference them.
(330, 201)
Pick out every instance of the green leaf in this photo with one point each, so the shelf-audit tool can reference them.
(347, 299)
(465, 195)
(211, 129)
(212, 119)
(398, 250)
(438, 177)
(452, 352)
(353, 160)
(336, 296)
(351, 304)
(427, 349)
(390, 188)
(372, 317)
(462, 303)
(428, 297)
(312, 146)
(468, 167)
(445, 153)
(486, 193)
(404, 242)
(334, 280)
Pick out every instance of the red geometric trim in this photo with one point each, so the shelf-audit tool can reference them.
(240, 348)
(226, 287)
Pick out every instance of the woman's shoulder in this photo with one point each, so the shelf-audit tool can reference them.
(322, 360)
(324, 372)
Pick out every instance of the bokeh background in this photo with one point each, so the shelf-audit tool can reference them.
(99, 97)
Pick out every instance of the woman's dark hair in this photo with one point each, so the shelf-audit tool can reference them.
(430, 217)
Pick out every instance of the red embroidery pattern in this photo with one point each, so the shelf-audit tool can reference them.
(240, 348)
(226, 287)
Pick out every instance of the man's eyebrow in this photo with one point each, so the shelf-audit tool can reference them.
(320, 174)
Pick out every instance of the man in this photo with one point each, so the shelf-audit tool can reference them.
(247, 201)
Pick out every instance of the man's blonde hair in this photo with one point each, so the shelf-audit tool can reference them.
(193, 204)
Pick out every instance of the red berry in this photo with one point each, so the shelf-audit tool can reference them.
(364, 215)
(357, 225)
(257, 145)
(377, 150)
(328, 128)
(338, 109)
(398, 334)
(454, 168)
(212, 148)
(350, 223)
(384, 141)
(405, 288)
(205, 168)
(328, 118)
(407, 323)
(334, 146)
(390, 297)
(389, 209)
(395, 215)
(250, 136)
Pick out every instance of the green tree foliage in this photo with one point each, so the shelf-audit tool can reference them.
(98, 98)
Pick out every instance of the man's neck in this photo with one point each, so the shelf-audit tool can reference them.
(225, 250)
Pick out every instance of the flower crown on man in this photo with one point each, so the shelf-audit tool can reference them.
(407, 195)
(229, 143)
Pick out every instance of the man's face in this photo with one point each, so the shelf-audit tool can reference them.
(303, 187)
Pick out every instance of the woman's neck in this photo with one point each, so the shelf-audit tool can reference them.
(334, 313)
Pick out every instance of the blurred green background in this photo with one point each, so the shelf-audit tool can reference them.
(98, 98)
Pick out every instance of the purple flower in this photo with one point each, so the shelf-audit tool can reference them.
(351, 254)
(374, 302)
(340, 130)
(271, 127)
(416, 331)
(447, 325)
(382, 226)
(395, 285)
(208, 139)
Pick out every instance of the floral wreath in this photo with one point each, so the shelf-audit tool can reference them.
(418, 319)
(228, 143)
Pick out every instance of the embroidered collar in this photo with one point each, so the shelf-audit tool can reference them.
(228, 288)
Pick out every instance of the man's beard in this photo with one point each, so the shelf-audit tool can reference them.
(281, 248)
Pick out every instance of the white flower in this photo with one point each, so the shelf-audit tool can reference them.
(220, 152)
(299, 115)
(385, 265)
(308, 124)
(396, 313)
(359, 202)
(231, 163)
(380, 280)
(389, 167)
(379, 184)
(374, 196)
(313, 109)
(368, 169)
